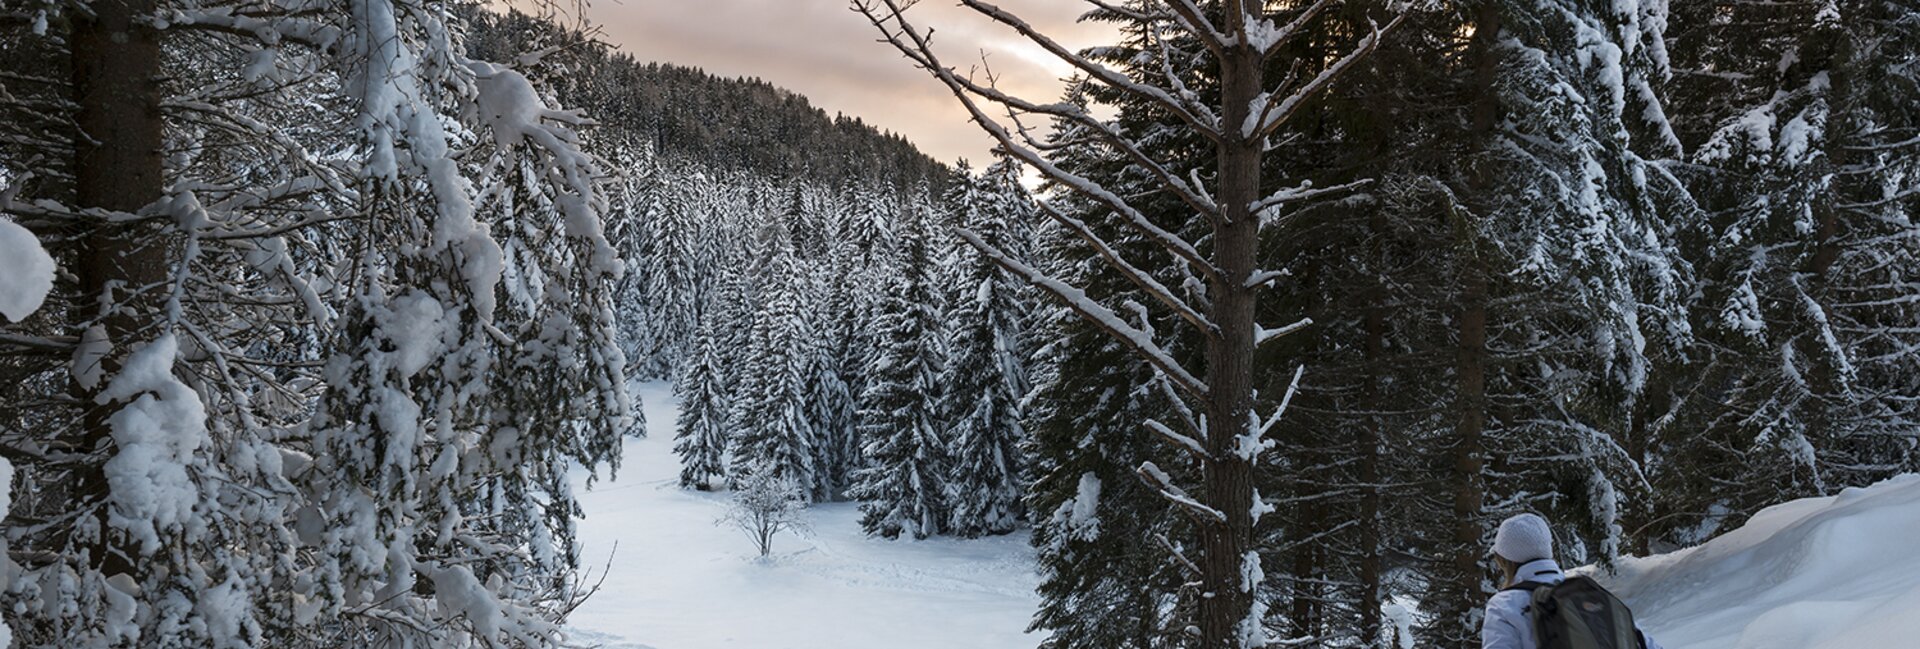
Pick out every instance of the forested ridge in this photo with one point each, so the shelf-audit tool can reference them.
(686, 114)
(1314, 294)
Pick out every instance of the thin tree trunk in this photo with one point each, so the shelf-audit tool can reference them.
(1370, 435)
(1468, 452)
(117, 166)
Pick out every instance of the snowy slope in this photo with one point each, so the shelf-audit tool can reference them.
(1822, 573)
(678, 581)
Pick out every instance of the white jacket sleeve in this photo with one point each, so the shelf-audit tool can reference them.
(1502, 629)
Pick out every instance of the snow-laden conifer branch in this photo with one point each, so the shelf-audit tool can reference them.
(1140, 278)
(1102, 317)
(917, 47)
(1195, 114)
(1161, 483)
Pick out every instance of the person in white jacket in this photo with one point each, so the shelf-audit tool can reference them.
(1523, 550)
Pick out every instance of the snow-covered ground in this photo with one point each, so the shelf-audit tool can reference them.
(678, 581)
(1821, 573)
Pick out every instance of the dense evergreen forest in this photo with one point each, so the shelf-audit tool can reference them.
(1314, 294)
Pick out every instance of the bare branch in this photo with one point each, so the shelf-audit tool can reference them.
(1277, 111)
(1140, 278)
(1198, 116)
(1093, 312)
(894, 29)
(1161, 483)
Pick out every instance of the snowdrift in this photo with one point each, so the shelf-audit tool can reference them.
(1841, 572)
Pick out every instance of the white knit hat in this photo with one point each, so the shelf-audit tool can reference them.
(1522, 538)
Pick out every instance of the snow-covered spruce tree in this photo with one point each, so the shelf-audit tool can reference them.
(1798, 118)
(985, 379)
(700, 433)
(638, 202)
(226, 256)
(903, 485)
(1236, 42)
(833, 406)
(444, 439)
(1552, 235)
(674, 267)
(772, 429)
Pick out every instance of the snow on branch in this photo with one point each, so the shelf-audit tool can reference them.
(1194, 424)
(1266, 38)
(1140, 278)
(1190, 190)
(1186, 443)
(1267, 209)
(1102, 317)
(1194, 21)
(1160, 482)
(1293, 387)
(1178, 556)
(1266, 276)
(1275, 109)
(1262, 334)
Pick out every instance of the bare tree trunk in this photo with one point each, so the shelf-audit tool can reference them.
(1227, 478)
(117, 166)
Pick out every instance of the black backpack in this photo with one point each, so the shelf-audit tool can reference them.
(1579, 614)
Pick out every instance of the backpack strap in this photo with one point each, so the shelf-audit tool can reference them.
(1528, 586)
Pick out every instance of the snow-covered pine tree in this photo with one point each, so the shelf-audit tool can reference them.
(903, 484)
(833, 405)
(1799, 120)
(637, 201)
(700, 433)
(772, 427)
(985, 379)
(1560, 276)
(445, 439)
(317, 190)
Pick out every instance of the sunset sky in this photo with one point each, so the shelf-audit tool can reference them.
(826, 51)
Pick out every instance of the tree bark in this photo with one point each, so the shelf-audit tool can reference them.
(1470, 364)
(1371, 433)
(117, 166)
(1227, 479)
